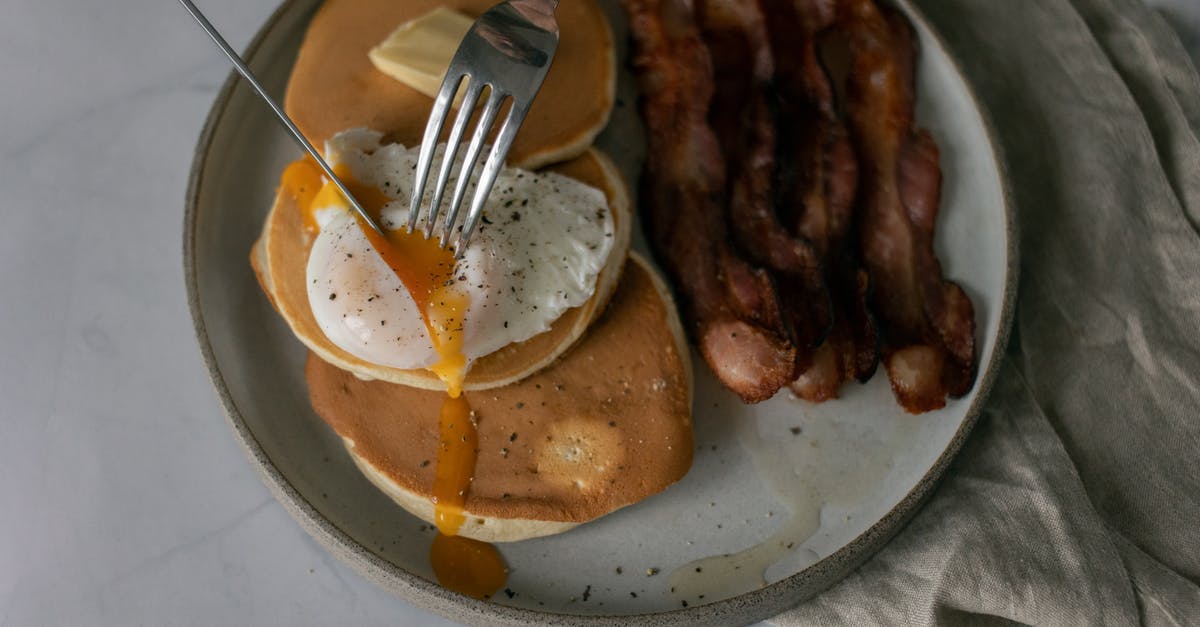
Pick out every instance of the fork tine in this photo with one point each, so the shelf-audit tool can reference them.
(491, 168)
(433, 128)
(486, 120)
(474, 89)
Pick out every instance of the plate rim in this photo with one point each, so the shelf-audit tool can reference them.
(420, 592)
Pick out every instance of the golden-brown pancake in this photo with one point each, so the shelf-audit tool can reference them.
(334, 85)
(280, 259)
(565, 434)
(602, 428)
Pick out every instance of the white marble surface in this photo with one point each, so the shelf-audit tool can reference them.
(124, 498)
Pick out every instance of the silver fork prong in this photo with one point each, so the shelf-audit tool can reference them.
(474, 89)
(486, 119)
(506, 52)
(433, 128)
(491, 168)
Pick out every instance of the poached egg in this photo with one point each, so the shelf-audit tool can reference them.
(536, 253)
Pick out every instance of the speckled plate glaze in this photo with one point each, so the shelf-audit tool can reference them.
(797, 495)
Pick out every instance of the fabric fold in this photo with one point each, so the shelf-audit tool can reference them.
(1010, 535)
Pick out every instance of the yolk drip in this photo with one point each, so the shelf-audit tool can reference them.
(461, 564)
(457, 443)
(427, 271)
(468, 566)
(302, 179)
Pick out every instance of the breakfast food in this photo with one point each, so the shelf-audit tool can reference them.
(334, 86)
(282, 257)
(800, 251)
(558, 448)
(492, 395)
(418, 52)
(496, 396)
(741, 115)
(733, 308)
(927, 322)
(817, 197)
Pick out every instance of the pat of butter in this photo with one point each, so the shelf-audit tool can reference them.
(418, 52)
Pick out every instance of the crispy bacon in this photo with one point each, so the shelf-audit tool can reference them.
(735, 33)
(733, 309)
(816, 184)
(927, 322)
(763, 157)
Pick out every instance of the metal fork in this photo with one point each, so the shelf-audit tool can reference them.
(509, 50)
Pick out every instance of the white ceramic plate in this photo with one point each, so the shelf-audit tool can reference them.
(799, 494)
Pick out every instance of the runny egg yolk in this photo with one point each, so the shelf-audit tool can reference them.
(302, 180)
(427, 271)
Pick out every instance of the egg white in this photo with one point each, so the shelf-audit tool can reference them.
(536, 254)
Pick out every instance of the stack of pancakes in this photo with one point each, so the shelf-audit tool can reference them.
(588, 417)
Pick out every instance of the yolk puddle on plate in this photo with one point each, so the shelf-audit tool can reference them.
(427, 272)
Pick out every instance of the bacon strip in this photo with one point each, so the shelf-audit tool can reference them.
(735, 33)
(816, 184)
(733, 308)
(927, 322)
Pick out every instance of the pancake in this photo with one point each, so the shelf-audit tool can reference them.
(325, 94)
(557, 449)
(280, 256)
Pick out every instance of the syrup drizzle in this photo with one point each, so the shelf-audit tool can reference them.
(427, 271)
